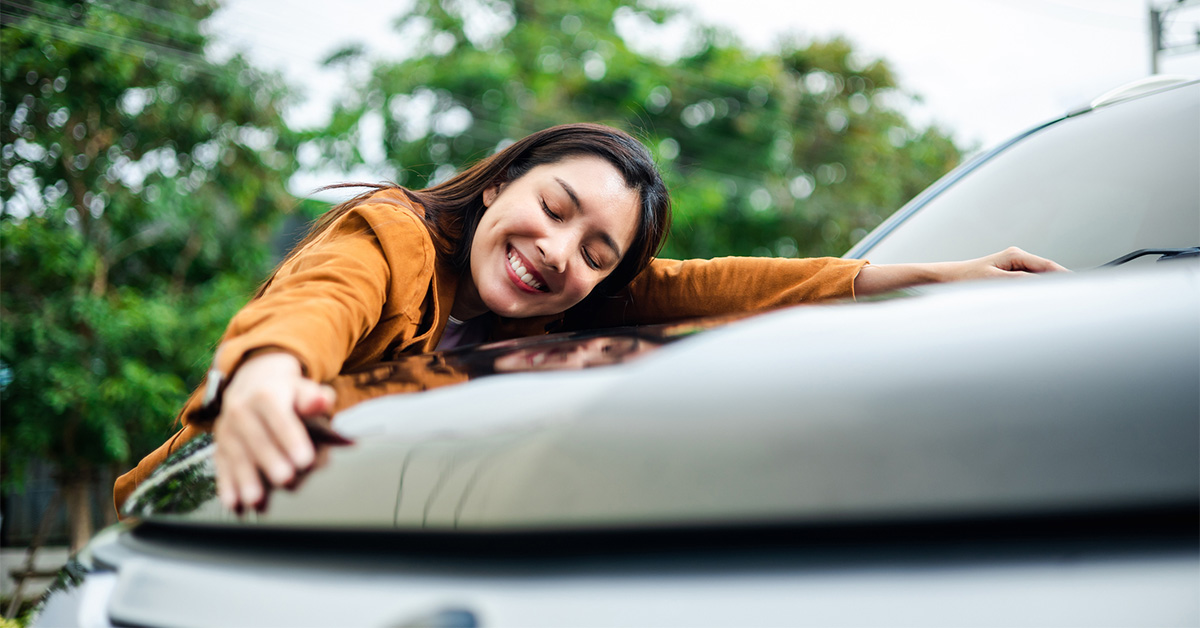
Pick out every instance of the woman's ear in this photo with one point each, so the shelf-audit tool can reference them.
(490, 194)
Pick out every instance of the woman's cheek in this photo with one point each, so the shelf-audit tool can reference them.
(581, 288)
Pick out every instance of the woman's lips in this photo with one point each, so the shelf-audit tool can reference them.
(523, 274)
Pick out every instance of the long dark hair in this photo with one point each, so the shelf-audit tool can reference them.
(454, 208)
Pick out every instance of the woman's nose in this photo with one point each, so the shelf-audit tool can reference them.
(555, 252)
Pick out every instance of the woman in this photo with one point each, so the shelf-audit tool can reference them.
(556, 231)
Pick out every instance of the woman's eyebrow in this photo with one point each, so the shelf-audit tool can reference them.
(570, 192)
(604, 237)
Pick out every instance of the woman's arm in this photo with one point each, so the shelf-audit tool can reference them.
(1011, 262)
(673, 290)
(314, 313)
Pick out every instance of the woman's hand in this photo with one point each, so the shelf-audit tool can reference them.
(1011, 262)
(259, 433)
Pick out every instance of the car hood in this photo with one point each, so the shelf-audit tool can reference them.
(1051, 395)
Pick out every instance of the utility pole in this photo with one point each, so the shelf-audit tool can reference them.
(1159, 20)
(1155, 38)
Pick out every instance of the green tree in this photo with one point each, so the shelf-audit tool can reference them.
(791, 152)
(141, 184)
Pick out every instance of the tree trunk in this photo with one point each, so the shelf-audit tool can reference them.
(79, 510)
(185, 259)
(27, 569)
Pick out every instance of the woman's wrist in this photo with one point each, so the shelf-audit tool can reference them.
(272, 359)
(876, 279)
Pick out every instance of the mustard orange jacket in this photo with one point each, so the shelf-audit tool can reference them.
(372, 286)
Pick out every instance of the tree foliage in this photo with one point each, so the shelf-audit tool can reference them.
(141, 184)
(796, 151)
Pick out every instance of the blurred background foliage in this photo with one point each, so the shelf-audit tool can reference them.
(791, 152)
(143, 182)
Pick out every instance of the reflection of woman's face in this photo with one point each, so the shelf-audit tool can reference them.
(573, 355)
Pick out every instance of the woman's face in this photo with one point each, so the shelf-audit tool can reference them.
(549, 237)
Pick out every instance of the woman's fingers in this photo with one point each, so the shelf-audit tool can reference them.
(1035, 264)
(274, 384)
(261, 441)
(238, 480)
(226, 487)
(319, 461)
(286, 432)
(313, 399)
(1009, 263)
(259, 437)
(1017, 260)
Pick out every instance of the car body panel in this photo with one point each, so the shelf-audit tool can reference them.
(784, 590)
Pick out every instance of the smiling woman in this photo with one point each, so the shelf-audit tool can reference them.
(557, 231)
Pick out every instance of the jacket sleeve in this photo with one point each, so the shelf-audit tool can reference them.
(328, 297)
(670, 290)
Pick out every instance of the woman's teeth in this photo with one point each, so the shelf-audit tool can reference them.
(523, 272)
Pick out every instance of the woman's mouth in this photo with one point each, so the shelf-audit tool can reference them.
(525, 276)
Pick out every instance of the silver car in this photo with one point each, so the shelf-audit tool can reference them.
(996, 453)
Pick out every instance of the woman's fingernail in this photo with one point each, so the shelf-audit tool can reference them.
(283, 474)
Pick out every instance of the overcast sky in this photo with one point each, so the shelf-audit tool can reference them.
(985, 69)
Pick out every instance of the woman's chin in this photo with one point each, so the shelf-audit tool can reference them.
(512, 306)
(512, 301)
(524, 306)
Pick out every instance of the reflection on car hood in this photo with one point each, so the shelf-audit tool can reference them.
(552, 352)
(1049, 395)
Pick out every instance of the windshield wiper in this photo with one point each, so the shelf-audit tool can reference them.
(1192, 251)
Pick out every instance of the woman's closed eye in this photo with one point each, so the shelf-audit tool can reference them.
(592, 262)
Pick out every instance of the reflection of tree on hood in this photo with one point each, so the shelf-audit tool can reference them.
(184, 482)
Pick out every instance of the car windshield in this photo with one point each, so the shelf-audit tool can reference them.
(1082, 191)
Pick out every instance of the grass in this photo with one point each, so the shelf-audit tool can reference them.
(24, 613)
